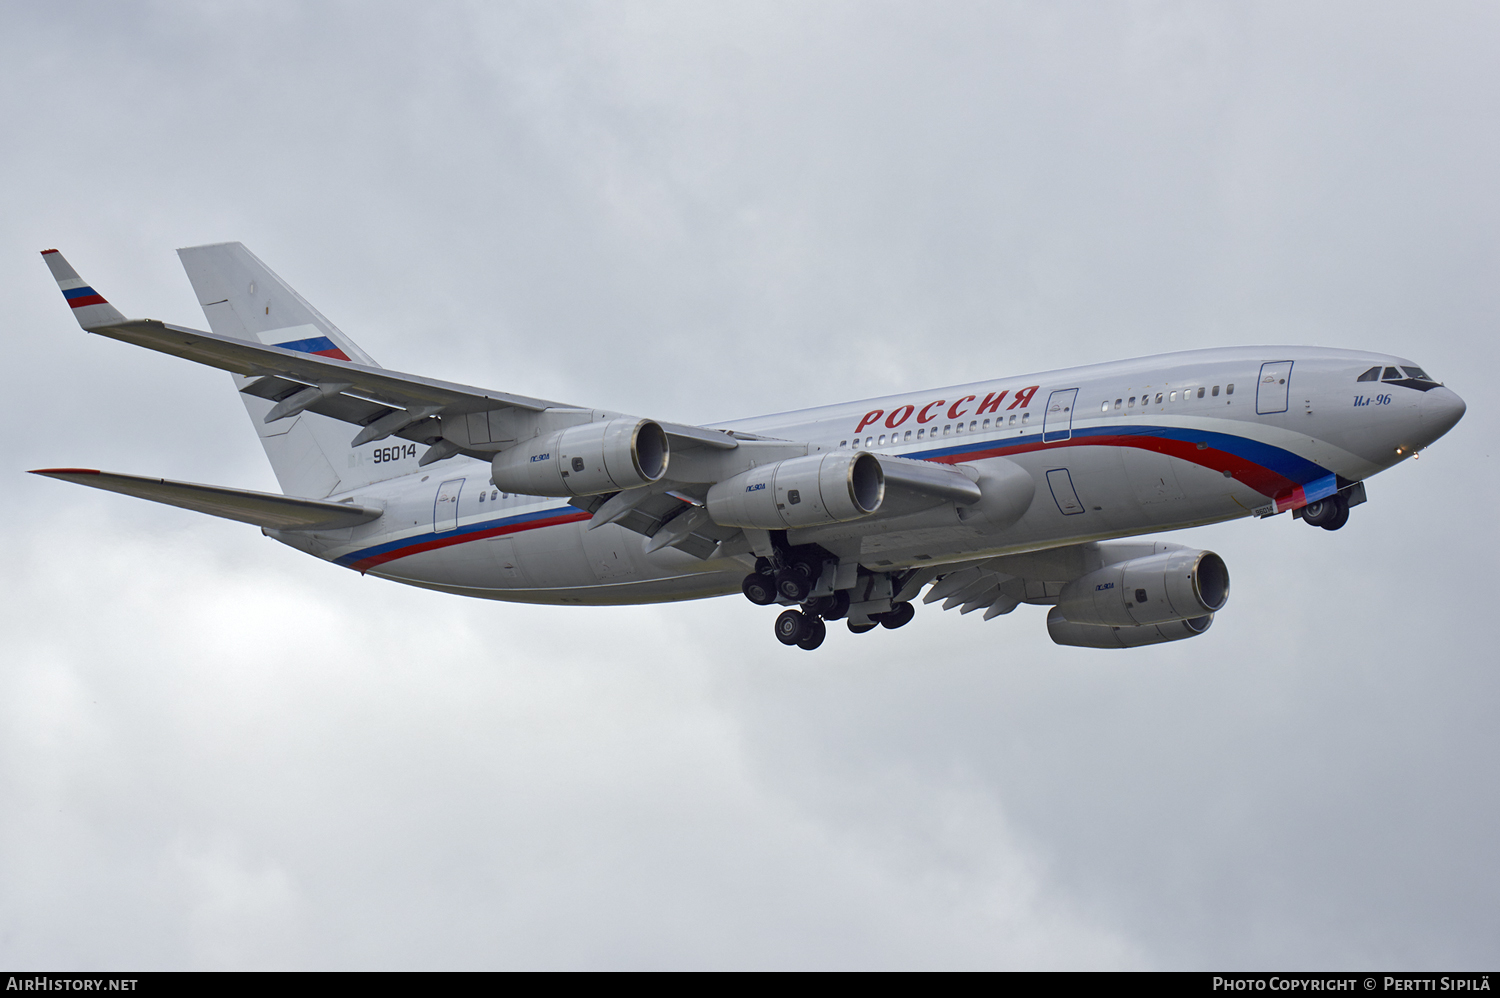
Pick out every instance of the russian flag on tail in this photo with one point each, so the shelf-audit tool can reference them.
(320, 346)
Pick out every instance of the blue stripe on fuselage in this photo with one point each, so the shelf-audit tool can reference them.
(1282, 462)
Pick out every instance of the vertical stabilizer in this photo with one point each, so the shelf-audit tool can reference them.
(244, 299)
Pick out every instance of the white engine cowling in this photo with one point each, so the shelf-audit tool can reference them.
(1065, 632)
(1157, 589)
(585, 460)
(800, 492)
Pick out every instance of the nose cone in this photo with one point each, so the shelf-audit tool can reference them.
(1441, 409)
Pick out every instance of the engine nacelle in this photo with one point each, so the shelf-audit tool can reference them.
(585, 460)
(800, 492)
(1065, 632)
(1157, 589)
(1006, 491)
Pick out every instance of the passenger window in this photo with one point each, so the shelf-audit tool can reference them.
(1132, 402)
(973, 423)
(481, 497)
(1105, 406)
(1416, 372)
(882, 440)
(986, 424)
(947, 429)
(1228, 389)
(1373, 374)
(1025, 417)
(1158, 398)
(1117, 405)
(1012, 419)
(1391, 374)
(843, 443)
(1200, 393)
(921, 434)
(1174, 396)
(908, 435)
(1216, 391)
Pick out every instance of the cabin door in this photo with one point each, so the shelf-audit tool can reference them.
(1057, 424)
(445, 506)
(1272, 388)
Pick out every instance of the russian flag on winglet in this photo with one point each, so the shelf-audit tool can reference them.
(79, 297)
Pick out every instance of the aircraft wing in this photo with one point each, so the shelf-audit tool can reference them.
(386, 403)
(406, 391)
(260, 508)
(303, 374)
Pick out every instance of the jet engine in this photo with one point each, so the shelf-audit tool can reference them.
(800, 492)
(585, 460)
(1181, 585)
(1065, 632)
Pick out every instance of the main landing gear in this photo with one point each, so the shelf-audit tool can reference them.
(792, 584)
(805, 630)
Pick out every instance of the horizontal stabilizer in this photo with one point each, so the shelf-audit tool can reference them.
(260, 508)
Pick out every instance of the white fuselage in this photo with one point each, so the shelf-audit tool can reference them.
(1156, 443)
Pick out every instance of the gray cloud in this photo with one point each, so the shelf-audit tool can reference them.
(216, 753)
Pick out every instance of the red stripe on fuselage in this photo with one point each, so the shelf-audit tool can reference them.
(365, 564)
(1263, 480)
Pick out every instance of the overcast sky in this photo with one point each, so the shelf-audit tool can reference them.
(218, 753)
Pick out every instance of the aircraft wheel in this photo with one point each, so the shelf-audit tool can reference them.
(792, 627)
(1339, 520)
(861, 628)
(1325, 511)
(794, 583)
(759, 589)
(763, 566)
(836, 607)
(816, 632)
(898, 616)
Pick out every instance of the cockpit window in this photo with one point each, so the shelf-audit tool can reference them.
(1373, 374)
(1391, 374)
(1416, 372)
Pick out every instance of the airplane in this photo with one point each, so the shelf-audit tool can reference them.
(1034, 489)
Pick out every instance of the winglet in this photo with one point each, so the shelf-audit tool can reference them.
(89, 307)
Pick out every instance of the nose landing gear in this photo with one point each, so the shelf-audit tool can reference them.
(1330, 514)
